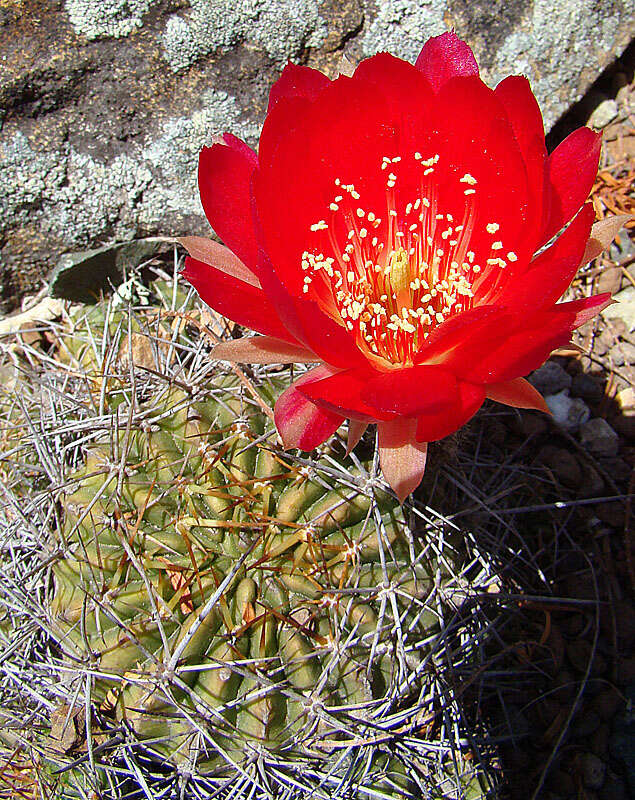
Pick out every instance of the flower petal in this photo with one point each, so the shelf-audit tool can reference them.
(518, 393)
(402, 458)
(342, 392)
(444, 57)
(526, 343)
(550, 273)
(602, 234)
(356, 430)
(571, 171)
(305, 320)
(297, 81)
(262, 350)
(437, 425)
(366, 394)
(300, 422)
(224, 180)
(218, 256)
(239, 301)
(524, 115)
(409, 392)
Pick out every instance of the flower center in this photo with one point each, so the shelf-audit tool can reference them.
(393, 274)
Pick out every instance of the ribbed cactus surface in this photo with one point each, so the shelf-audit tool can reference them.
(228, 598)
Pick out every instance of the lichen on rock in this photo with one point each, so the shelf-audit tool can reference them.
(98, 19)
(282, 28)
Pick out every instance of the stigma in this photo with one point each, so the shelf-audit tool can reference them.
(391, 275)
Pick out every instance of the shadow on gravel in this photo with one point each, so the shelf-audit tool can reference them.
(547, 688)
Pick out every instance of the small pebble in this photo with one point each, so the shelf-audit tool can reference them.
(613, 788)
(607, 702)
(599, 438)
(623, 309)
(567, 412)
(563, 783)
(562, 463)
(592, 770)
(623, 353)
(609, 280)
(600, 740)
(550, 378)
(587, 387)
(603, 114)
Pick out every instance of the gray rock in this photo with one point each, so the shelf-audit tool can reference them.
(550, 378)
(599, 438)
(568, 412)
(106, 103)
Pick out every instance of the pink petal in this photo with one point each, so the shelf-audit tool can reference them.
(218, 256)
(571, 171)
(263, 350)
(297, 81)
(356, 430)
(299, 421)
(518, 393)
(444, 57)
(402, 459)
(602, 234)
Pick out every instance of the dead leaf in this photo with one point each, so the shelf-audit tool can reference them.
(67, 728)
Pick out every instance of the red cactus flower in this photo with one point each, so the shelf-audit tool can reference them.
(390, 230)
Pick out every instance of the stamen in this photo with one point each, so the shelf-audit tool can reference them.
(392, 283)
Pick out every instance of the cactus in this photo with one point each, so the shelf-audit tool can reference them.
(205, 503)
(232, 604)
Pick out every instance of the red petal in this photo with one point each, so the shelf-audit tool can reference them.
(310, 325)
(481, 140)
(410, 392)
(402, 459)
(525, 343)
(356, 430)
(434, 426)
(456, 332)
(524, 114)
(444, 57)
(584, 309)
(262, 350)
(366, 395)
(300, 422)
(297, 81)
(403, 85)
(224, 180)
(571, 171)
(239, 301)
(550, 273)
(343, 393)
(518, 393)
(218, 256)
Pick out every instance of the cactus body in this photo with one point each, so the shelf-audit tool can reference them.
(299, 628)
